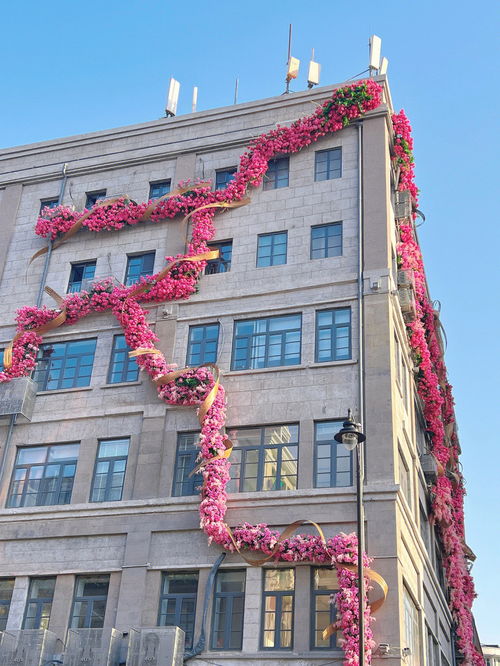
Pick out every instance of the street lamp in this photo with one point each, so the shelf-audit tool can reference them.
(352, 438)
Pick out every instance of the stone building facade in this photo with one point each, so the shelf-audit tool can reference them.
(117, 544)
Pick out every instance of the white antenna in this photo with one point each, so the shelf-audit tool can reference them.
(172, 97)
(236, 86)
(195, 99)
(292, 63)
(314, 72)
(384, 63)
(375, 47)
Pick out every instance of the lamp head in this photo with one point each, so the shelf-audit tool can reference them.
(350, 434)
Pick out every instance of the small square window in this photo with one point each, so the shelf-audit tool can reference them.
(139, 265)
(49, 203)
(79, 272)
(223, 263)
(276, 175)
(185, 462)
(328, 164)
(223, 177)
(202, 344)
(326, 240)
(272, 249)
(93, 198)
(333, 335)
(157, 190)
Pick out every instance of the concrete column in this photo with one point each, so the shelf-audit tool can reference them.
(112, 601)
(9, 203)
(306, 454)
(149, 460)
(84, 471)
(151, 599)
(61, 605)
(133, 580)
(185, 167)
(18, 603)
(253, 597)
(302, 615)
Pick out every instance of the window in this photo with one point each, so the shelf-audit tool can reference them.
(223, 177)
(332, 461)
(1, 360)
(438, 562)
(139, 265)
(122, 368)
(202, 344)
(89, 603)
(157, 190)
(80, 272)
(6, 589)
(223, 263)
(267, 343)
(178, 602)
(227, 618)
(326, 240)
(323, 611)
(333, 335)
(271, 249)
(278, 606)
(276, 175)
(405, 479)
(185, 462)
(43, 475)
(432, 649)
(424, 529)
(109, 473)
(39, 603)
(63, 365)
(264, 458)
(420, 430)
(328, 164)
(94, 197)
(412, 631)
(48, 203)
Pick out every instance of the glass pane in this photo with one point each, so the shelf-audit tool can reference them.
(230, 581)
(63, 452)
(279, 580)
(32, 454)
(113, 448)
(324, 579)
(182, 582)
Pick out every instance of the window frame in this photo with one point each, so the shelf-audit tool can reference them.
(128, 363)
(44, 373)
(405, 480)
(229, 171)
(278, 595)
(212, 356)
(167, 182)
(338, 224)
(39, 603)
(91, 263)
(6, 602)
(219, 265)
(272, 179)
(314, 594)
(330, 159)
(179, 598)
(412, 635)
(333, 459)
(228, 626)
(333, 328)
(110, 473)
(273, 235)
(51, 202)
(90, 600)
(191, 457)
(143, 272)
(93, 197)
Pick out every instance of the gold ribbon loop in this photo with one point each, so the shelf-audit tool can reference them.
(143, 350)
(169, 195)
(228, 447)
(218, 204)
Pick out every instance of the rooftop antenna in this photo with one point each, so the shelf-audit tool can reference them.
(375, 47)
(172, 97)
(236, 86)
(195, 99)
(314, 72)
(292, 63)
(384, 63)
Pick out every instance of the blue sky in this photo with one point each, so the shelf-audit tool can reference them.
(74, 67)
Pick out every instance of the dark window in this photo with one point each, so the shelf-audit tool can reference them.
(223, 177)
(333, 335)
(94, 197)
(139, 265)
(89, 602)
(43, 475)
(432, 649)
(80, 272)
(271, 249)
(276, 175)
(332, 461)
(323, 611)
(411, 629)
(266, 343)
(223, 263)
(122, 368)
(39, 603)
(157, 190)
(178, 602)
(109, 473)
(264, 458)
(438, 562)
(405, 479)
(6, 589)
(278, 607)
(202, 344)
(1, 360)
(63, 365)
(326, 240)
(424, 529)
(227, 618)
(185, 462)
(328, 164)
(49, 203)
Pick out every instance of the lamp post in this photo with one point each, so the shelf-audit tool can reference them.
(352, 438)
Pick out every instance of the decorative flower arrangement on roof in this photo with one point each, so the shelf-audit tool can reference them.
(194, 385)
(436, 394)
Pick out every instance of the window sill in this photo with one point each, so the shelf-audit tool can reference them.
(66, 390)
(347, 361)
(282, 368)
(118, 384)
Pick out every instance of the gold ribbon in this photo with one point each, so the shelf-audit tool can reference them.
(48, 326)
(143, 350)
(174, 193)
(219, 204)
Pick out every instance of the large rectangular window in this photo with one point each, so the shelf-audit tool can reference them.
(93, 197)
(139, 265)
(109, 473)
(228, 607)
(43, 475)
(323, 612)
(223, 263)
(122, 368)
(264, 458)
(277, 609)
(223, 177)
(328, 164)
(276, 175)
(158, 189)
(6, 589)
(79, 272)
(332, 461)
(333, 335)
(266, 343)
(62, 365)
(89, 602)
(412, 629)
(185, 462)
(326, 240)
(271, 249)
(39, 603)
(178, 602)
(202, 344)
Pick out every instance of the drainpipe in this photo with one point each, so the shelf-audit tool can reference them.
(361, 379)
(12, 423)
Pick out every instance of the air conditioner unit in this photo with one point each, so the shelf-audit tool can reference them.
(406, 278)
(429, 467)
(407, 304)
(402, 204)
